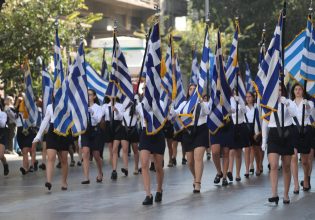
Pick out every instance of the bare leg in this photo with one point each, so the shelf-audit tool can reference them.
(231, 160)
(198, 161)
(238, 162)
(158, 159)
(226, 151)
(294, 169)
(99, 164)
(51, 156)
(191, 163)
(145, 158)
(86, 162)
(115, 154)
(249, 158)
(286, 170)
(125, 146)
(136, 155)
(64, 168)
(274, 165)
(216, 157)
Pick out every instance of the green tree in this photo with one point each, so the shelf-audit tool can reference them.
(27, 31)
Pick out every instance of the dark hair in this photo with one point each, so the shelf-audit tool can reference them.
(252, 95)
(283, 90)
(96, 101)
(106, 100)
(205, 96)
(188, 96)
(292, 91)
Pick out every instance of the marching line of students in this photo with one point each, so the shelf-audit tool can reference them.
(113, 125)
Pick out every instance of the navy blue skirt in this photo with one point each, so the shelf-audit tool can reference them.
(153, 143)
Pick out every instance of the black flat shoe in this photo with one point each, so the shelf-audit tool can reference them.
(114, 175)
(85, 182)
(274, 199)
(158, 197)
(258, 174)
(48, 185)
(148, 200)
(31, 169)
(174, 162)
(42, 166)
(225, 182)
(208, 156)
(140, 170)
(238, 179)
(246, 175)
(152, 167)
(23, 171)
(125, 171)
(286, 201)
(79, 163)
(306, 189)
(64, 188)
(296, 192)
(252, 171)
(217, 178)
(230, 176)
(5, 169)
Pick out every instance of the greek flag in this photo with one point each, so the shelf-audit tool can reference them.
(179, 88)
(96, 82)
(194, 69)
(120, 73)
(167, 80)
(248, 79)
(260, 76)
(225, 89)
(241, 88)
(47, 89)
(112, 89)
(232, 62)
(300, 58)
(271, 67)
(29, 98)
(154, 113)
(78, 94)
(186, 113)
(215, 119)
(62, 114)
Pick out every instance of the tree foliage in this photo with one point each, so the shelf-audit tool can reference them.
(27, 31)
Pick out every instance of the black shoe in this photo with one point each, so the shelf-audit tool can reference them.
(5, 169)
(217, 178)
(48, 185)
(208, 156)
(306, 189)
(72, 163)
(269, 166)
(125, 171)
(225, 182)
(184, 161)
(238, 179)
(230, 176)
(174, 161)
(31, 169)
(296, 192)
(79, 163)
(246, 175)
(148, 200)
(114, 175)
(58, 165)
(23, 171)
(36, 165)
(158, 197)
(274, 199)
(42, 166)
(140, 170)
(99, 180)
(170, 164)
(85, 182)
(286, 201)
(196, 190)
(309, 182)
(64, 188)
(152, 167)
(252, 171)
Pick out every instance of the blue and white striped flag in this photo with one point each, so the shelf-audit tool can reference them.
(96, 82)
(248, 79)
(225, 89)
(62, 113)
(261, 75)
(186, 113)
(300, 57)
(215, 119)
(154, 113)
(78, 93)
(167, 80)
(120, 73)
(232, 67)
(180, 93)
(194, 69)
(241, 88)
(29, 99)
(104, 70)
(271, 67)
(47, 89)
